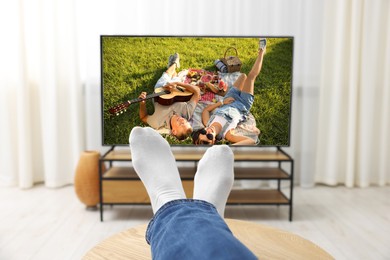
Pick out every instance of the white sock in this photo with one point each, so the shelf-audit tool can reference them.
(156, 166)
(215, 176)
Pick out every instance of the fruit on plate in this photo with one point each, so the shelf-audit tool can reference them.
(222, 85)
(206, 78)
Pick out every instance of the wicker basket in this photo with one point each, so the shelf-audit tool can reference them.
(233, 63)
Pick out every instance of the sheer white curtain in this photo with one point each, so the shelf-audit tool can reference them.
(50, 68)
(42, 93)
(41, 132)
(354, 116)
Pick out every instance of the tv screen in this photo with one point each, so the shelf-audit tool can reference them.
(197, 90)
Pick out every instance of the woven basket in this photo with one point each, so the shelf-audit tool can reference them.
(233, 63)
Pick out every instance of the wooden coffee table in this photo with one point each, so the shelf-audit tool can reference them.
(264, 241)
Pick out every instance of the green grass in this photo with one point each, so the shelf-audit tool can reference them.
(134, 64)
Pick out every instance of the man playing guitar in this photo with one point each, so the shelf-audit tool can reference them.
(174, 117)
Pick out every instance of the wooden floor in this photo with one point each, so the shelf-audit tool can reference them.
(42, 223)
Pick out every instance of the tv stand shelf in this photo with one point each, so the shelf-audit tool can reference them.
(121, 185)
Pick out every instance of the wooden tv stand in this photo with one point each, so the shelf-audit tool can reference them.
(120, 185)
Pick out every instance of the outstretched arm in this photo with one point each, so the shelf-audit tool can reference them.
(238, 139)
(207, 110)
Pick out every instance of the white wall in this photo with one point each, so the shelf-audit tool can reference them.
(299, 18)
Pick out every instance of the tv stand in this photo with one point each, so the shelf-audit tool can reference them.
(120, 185)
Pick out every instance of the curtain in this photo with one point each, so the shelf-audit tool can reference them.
(50, 79)
(42, 132)
(354, 112)
(299, 18)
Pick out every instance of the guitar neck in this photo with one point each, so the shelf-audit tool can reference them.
(157, 94)
(119, 109)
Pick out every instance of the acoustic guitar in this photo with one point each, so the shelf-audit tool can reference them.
(177, 94)
(160, 95)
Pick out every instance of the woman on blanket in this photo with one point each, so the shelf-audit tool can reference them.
(232, 110)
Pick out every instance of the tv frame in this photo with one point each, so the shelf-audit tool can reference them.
(198, 36)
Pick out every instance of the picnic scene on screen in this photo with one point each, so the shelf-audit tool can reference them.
(198, 90)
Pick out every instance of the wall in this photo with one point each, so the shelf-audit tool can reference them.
(301, 19)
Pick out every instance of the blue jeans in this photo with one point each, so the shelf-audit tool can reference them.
(192, 229)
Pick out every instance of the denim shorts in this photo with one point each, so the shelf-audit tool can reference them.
(243, 100)
(234, 112)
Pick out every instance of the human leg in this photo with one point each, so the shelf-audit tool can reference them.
(249, 83)
(181, 228)
(156, 166)
(193, 229)
(171, 71)
(239, 83)
(173, 64)
(166, 77)
(174, 59)
(163, 80)
(214, 177)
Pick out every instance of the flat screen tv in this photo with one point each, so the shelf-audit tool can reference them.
(182, 87)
